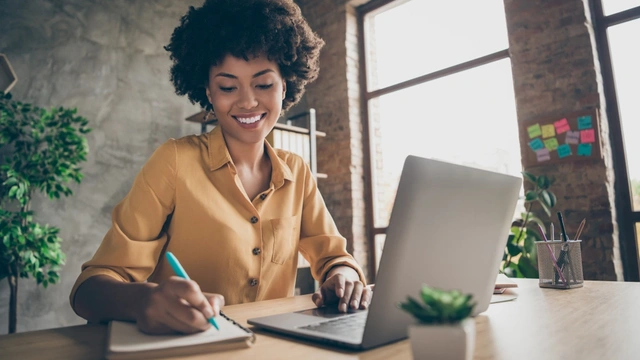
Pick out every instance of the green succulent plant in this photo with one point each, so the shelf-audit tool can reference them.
(439, 306)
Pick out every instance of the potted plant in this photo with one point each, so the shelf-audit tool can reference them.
(520, 257)
(444, 329)
(40, 151)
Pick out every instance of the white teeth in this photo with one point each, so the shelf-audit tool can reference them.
(249, 120)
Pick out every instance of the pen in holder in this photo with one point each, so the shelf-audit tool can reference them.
(560, 264)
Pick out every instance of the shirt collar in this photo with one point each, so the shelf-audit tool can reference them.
(219, 156)
(218, 152)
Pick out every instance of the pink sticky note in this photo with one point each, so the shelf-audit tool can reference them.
(562, 126)
(587, 136)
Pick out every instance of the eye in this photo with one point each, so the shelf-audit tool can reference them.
(226, 89)
(264, 87)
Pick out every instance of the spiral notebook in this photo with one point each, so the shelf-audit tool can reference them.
(125, 341)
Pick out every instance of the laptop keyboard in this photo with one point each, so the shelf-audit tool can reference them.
(351, 326)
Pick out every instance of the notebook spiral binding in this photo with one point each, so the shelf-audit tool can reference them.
(253, 336)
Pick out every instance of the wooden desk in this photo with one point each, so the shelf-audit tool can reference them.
(599, 321)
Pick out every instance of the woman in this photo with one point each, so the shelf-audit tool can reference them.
(234, 210)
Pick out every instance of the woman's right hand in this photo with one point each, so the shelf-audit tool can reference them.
(177, 305)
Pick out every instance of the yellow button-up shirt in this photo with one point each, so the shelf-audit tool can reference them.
(188, 199)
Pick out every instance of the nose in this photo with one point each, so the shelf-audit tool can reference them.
(247, 99)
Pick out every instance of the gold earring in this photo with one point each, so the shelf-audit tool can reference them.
(209, 115)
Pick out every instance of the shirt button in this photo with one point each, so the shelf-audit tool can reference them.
(256, 251)
(263, 196)
(254, 219)
(253, 282)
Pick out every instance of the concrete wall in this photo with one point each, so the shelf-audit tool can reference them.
(106, 59)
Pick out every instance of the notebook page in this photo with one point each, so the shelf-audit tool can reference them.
(125, 337)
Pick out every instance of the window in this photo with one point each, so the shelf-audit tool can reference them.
(616, 6)
(617, 28)
(625, 58)
(438, 85)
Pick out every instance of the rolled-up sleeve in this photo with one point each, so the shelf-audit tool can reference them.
(131, 248)
(320, 241)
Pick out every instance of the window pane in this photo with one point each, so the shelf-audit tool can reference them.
(379, 240)
(625, 57)
(615, 6)
(419, 37)
(467, 118)
(638, 236)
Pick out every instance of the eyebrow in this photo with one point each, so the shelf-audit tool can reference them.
(231, 76)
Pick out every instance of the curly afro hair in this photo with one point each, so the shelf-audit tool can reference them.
(243, 29)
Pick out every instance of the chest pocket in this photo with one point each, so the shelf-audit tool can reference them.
(285, 239)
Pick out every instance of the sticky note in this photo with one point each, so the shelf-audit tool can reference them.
(572, 137)
(548, 131)
(584, 122)
(587, 136)
(536, 144)
(534, 131)
(543, 155)
(562, 126)
(584, 150)
(564, 150)
(551, 144)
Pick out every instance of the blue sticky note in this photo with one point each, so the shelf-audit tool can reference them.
(584, 122)
(536, 144)
(564, 150)
(584, 149)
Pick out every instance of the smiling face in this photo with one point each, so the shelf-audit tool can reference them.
(246, 97)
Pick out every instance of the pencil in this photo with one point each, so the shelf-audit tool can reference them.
(580, 228)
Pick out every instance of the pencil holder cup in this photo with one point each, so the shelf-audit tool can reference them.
(560, 264)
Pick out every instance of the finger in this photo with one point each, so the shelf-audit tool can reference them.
(317, 298)
(367, 293)
(338, 283)
(189, 291)
(216, 301)
(356, 295)
(343, 303)
(188, 315)
(185, 319)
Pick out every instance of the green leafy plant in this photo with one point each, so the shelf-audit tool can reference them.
(40, 150)
(439, 306)
(520, 257)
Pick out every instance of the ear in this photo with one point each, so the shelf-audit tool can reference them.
(284, 88)
(208, 95)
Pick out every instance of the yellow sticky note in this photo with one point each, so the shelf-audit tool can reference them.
(548, 131)
(551, 144)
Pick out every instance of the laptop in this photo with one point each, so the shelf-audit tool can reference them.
(448, 229)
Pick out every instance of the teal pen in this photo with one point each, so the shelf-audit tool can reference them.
(179, 270)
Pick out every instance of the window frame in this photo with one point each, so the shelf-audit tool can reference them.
(627, 218)
(365, 96)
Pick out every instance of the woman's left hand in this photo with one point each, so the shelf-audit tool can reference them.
(344, 288)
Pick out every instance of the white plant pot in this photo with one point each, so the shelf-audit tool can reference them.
(443, 341)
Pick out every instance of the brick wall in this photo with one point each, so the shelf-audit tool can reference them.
(336, 98)
(556, 71)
